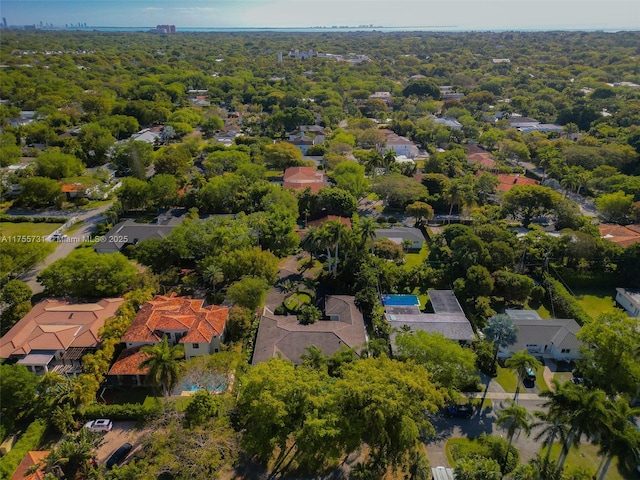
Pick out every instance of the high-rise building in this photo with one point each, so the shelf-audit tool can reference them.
(4, 22)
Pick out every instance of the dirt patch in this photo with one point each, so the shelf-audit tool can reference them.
(122, 432)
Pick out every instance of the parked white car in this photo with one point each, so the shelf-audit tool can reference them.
(101, 425)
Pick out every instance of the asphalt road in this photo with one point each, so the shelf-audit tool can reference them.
(90, 219)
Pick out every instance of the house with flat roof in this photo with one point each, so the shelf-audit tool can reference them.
(285, 337)
(399, 234)
(56, 334)
(447, 318)
(547, 338)
(182, 320)
(629, 300)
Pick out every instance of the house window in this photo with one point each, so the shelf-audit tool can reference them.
(196, 345)
(216, 350)
(566, 350)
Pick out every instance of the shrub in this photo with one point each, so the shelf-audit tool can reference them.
(124, 411)
(29, 441)
(564, 304)
(280, 310)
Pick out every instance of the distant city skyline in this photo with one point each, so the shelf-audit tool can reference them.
(458, 14)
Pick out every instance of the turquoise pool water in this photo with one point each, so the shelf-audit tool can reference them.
(401, 300)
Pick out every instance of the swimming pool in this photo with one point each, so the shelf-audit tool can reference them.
(400, 300)
(202, 381)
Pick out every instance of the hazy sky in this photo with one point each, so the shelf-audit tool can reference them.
(459, 14)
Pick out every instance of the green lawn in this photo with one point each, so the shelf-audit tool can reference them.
(596, 301)
(585, 457)
(509, 381)
(451, 443)
(8, 229)
(297, 301)
(543, 312)
(413, 259)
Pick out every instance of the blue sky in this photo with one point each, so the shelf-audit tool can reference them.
(461, 14)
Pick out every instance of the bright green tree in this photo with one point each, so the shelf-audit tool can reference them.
(163, 365)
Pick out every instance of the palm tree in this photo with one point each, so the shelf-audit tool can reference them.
(561, 399)
(367, 231)
(310, 243)
(520, 362)
(213, 275)
(517, 419)
(502, 332)
(163, 364)
(589, 416)
(336, 231)
(620, 438)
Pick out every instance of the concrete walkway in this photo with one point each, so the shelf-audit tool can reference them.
(90, 220)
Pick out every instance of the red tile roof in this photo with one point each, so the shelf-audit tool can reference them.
(58, 325)
(507, 182)
(172, 313)
(328, 218)
(34, 457)
(482, 159)
(299, 178)
(620, 235)
(129, 361)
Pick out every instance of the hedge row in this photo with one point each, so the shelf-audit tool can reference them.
(564, 304)
(124, 411)
(25, 219)
(29, 441)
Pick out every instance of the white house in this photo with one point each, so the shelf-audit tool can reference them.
(629, 300)
(547, 338)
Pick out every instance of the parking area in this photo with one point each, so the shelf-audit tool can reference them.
(122, 432)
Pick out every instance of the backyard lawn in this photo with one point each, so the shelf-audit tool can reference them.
(9, 229)
(596, 301)
(413, 259)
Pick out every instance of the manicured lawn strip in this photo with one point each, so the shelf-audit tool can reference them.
(507, 379)
(9, 229)
(586, 457)
(414, 259)
(596, 301)
(540, 383)
(450, 444)
(543, 312)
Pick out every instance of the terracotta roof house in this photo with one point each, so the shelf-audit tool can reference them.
(31, 459)
(182, 320)
(283, 336)
(480, 157)
(620, 235)
(548, 338)
(299, 178)
(55, 334)
(448, 318)
(346, 221)
(508, 181)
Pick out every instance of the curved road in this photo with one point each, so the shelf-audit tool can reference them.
(90, 220)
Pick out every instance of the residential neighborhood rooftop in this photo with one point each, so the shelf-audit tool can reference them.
(57, 325)
(173, 313)
(284, 336)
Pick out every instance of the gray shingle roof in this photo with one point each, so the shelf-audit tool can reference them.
(404, 233)
(558, 332)
(284, 336)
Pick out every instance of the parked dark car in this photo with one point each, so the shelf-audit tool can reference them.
(460, 411)
(119, 455)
